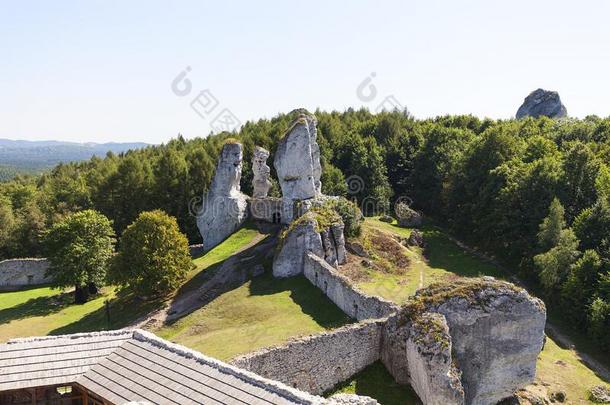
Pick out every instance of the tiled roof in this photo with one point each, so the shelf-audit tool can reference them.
(124, 366)
(34, 362)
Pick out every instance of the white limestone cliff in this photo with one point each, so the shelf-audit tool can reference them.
(225, 207)
(297, 163)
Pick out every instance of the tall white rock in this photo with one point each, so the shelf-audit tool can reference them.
(297, 163)
(225, 207)
(261, 173)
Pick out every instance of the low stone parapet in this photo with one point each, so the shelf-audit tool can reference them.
(318, 363)
(339, 290)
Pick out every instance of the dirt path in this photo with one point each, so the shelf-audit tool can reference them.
(551, 330)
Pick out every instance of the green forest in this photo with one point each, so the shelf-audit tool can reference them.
(534, 192)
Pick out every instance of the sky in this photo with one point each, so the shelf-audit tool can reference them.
(99, 71)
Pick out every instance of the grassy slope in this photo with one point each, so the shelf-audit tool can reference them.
(376, 382)
(443, 258)
(265, 311)
(43, 311)
(558, 367)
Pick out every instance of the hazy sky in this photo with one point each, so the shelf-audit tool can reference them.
(103, 70)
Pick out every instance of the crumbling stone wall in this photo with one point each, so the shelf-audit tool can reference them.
(339, 290)
(318, 363)
(22, 272)
(268, 209)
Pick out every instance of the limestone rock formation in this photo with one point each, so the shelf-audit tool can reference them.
(297, 163)
(301, 238)
(306, 235)
(225, 207)
(433, 375)
(496, 331)
(542, 102)
(261, 172)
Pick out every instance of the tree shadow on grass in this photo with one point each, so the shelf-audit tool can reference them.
(312, 301)
(376, 382)
(39, 306)
(441, 252)
(122, 311)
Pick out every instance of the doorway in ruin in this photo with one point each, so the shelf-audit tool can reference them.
(276, 218)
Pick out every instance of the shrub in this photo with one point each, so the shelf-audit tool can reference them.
(350, 214)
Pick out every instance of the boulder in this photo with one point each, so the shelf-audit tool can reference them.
(297, 163)
(600, 394)
(300, 238)
(542, 102)
(306, 235)
(416, 239)
(225, 207)
(407, 217)
(261, 173)
(496, 331)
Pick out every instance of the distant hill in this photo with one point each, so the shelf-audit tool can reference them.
(32, 157)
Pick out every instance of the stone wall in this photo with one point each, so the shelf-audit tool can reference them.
(23, 272)
(196, 250)
(318, 363)
(339, 290)
(268, 209)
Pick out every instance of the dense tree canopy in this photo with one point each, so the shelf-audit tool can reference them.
(79, 249)
(490, 181)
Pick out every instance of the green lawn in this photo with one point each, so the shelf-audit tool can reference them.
(561, 369)
(42, 311)
(263, 312)
(441, 259)
(376, 382)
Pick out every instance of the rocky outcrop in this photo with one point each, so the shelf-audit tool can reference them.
(261, 173)
(225, 207)
(433, 375)
(296, 241)
(297, 163)
(542, 102)
(496, 331)
(407, 217)
(317, 231)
